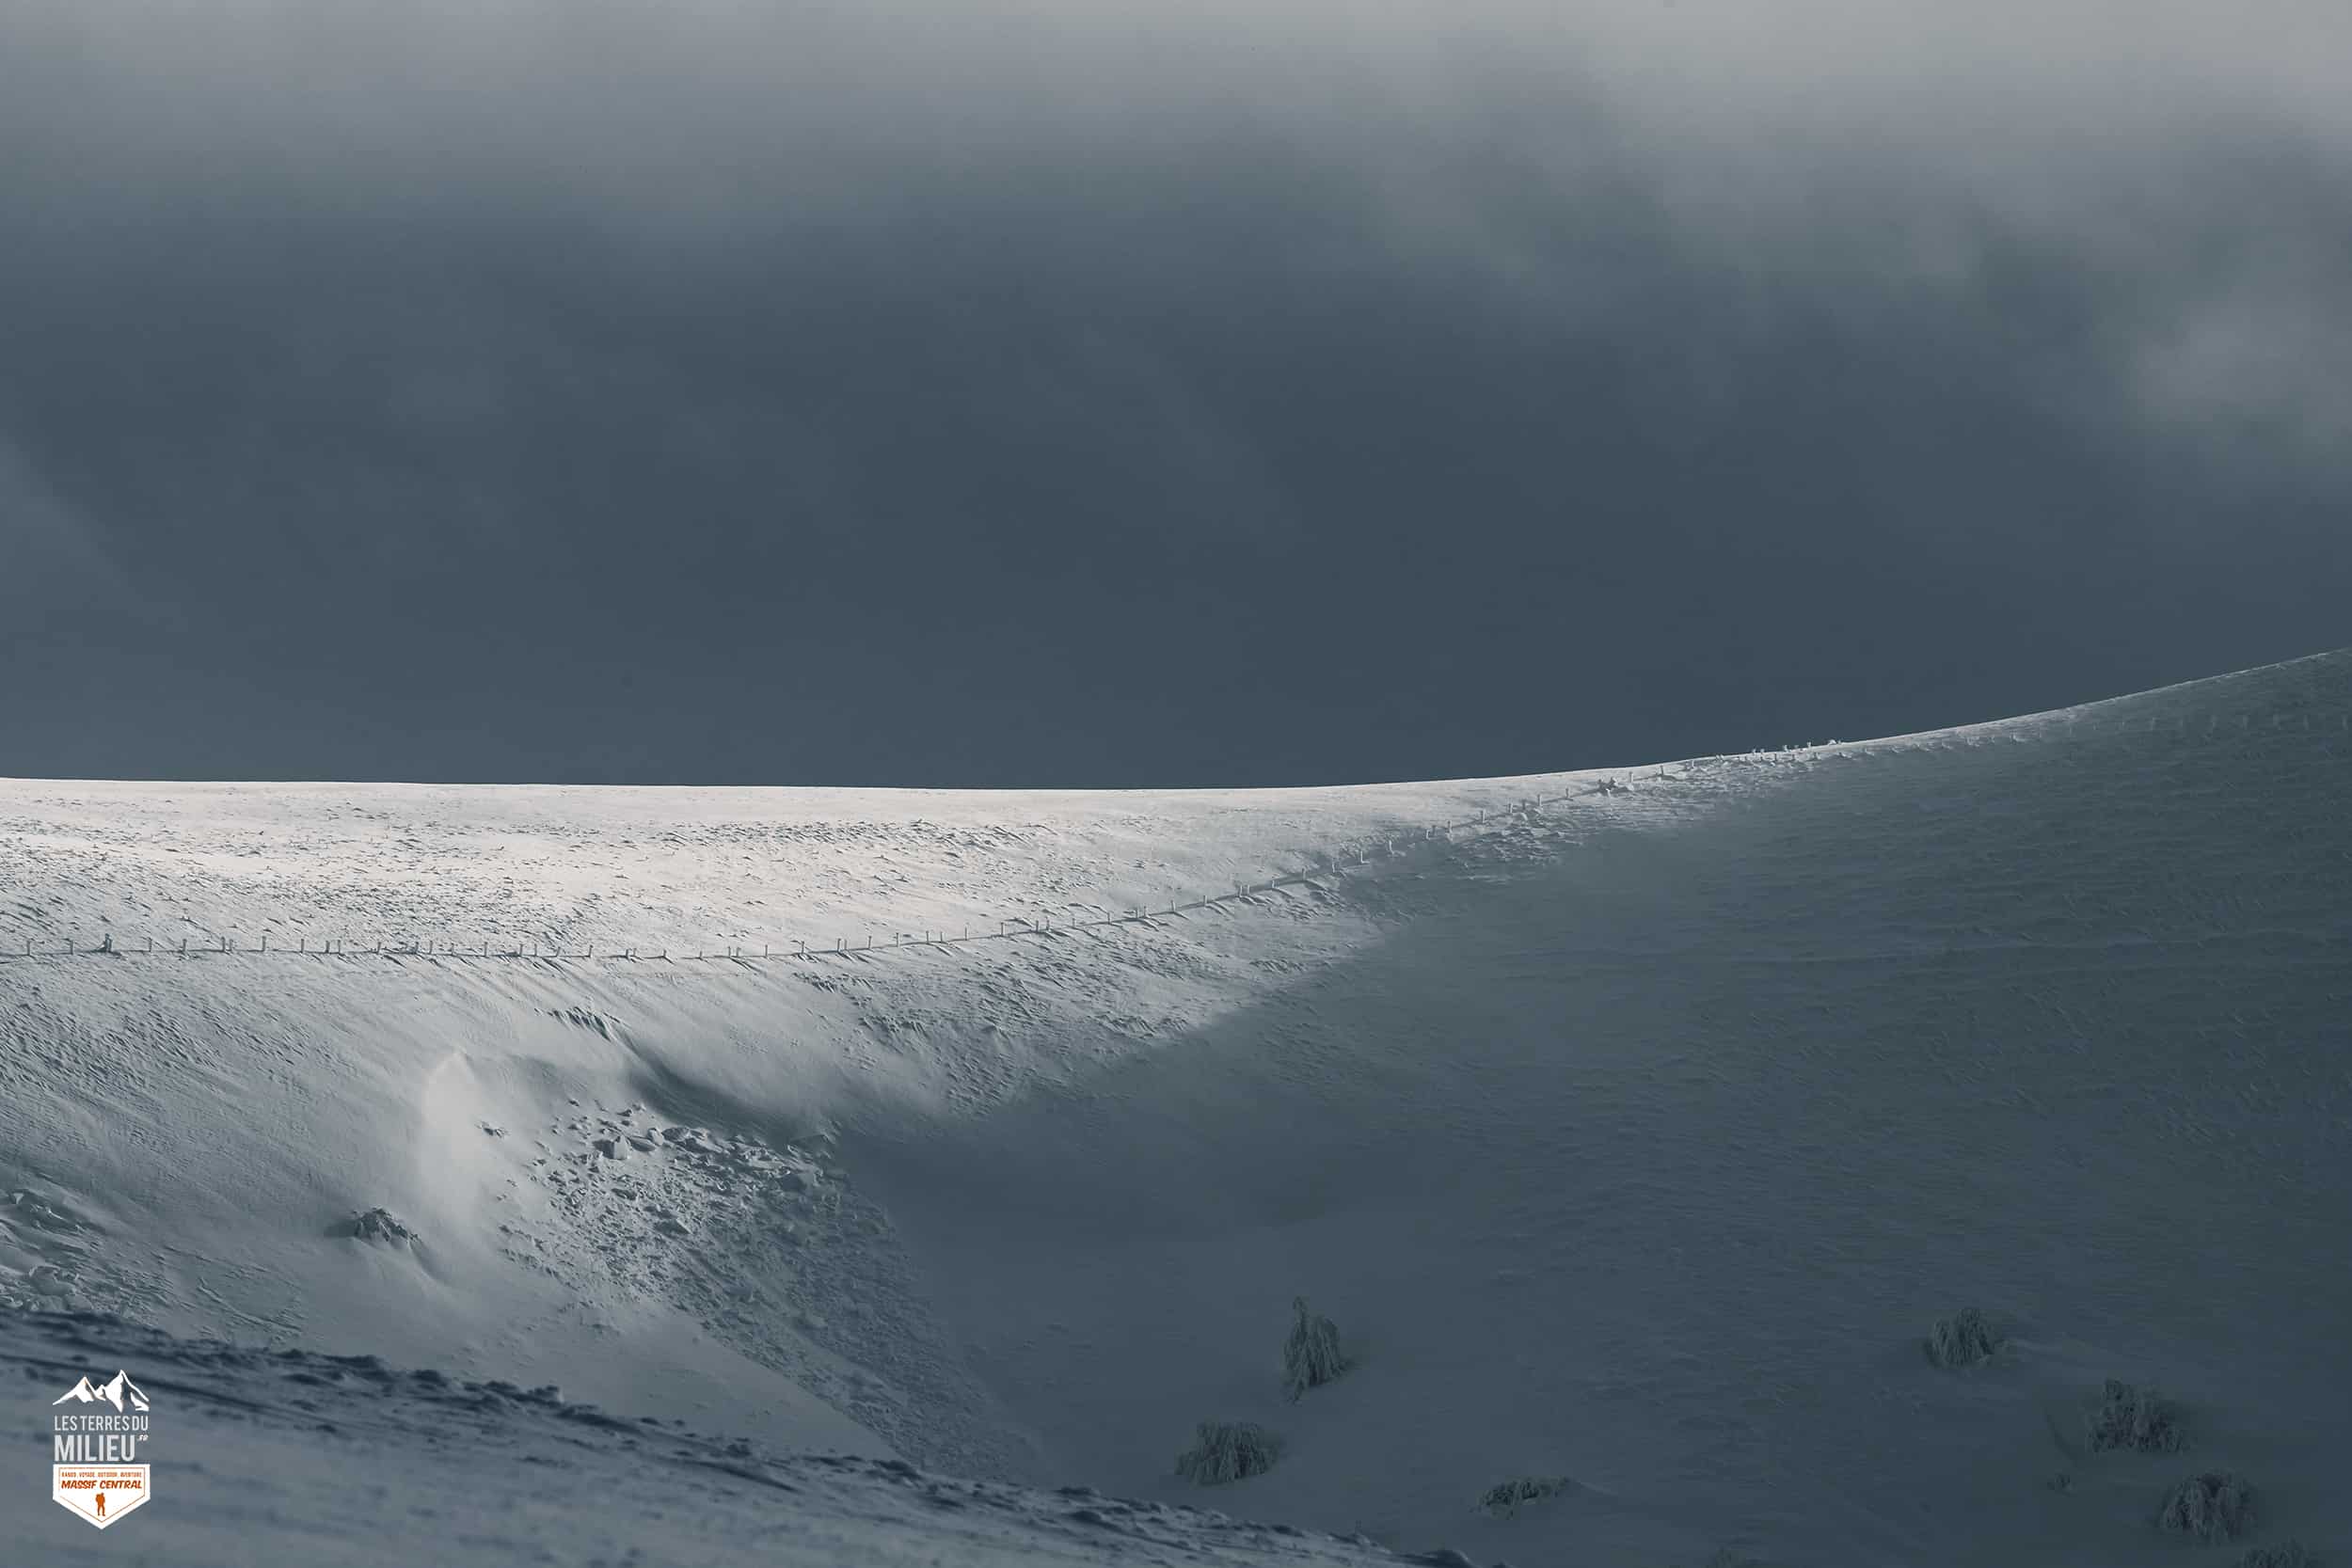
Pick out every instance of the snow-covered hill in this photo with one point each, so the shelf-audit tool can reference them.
(1635, 1138)
(291, 1456)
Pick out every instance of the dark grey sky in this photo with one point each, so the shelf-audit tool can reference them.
(988, 393)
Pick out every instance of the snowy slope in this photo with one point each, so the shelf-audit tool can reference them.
(352, 1464)
(1635, 1139)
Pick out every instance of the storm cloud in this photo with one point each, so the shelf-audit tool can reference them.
(1058, 395)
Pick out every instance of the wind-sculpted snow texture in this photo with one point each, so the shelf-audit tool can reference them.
(357, 1462)
(1635, 1141)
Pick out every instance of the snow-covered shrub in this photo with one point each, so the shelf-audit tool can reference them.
(1311, 1356)
(1503, 1498)
(2287, 1554)
(1962, 1339)
(1229, 1451)
(2216, 1506)
(2130, 1416)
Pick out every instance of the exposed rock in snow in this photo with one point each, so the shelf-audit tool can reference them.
(1505, 1499)
(379, 1225)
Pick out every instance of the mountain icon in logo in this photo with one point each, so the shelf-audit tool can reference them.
(117, 1390)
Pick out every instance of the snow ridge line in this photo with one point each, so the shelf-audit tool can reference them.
(2068, 721)
(1334, 863)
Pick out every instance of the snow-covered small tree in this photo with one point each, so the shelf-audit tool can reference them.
(1311, 1356)
(1228, 1450)
(2287, 1554)
(2216, 1506)
(2130, 1416)
(1962, 1339)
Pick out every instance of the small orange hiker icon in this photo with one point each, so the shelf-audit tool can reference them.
(102, 1505)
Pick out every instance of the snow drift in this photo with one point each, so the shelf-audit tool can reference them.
(1633, 1137)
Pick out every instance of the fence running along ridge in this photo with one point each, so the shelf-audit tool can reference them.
(1010, 928)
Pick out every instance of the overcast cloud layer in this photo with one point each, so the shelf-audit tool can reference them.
(1061, 393)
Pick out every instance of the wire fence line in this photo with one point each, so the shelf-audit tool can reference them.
(1015, 927)
(1008, 929)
